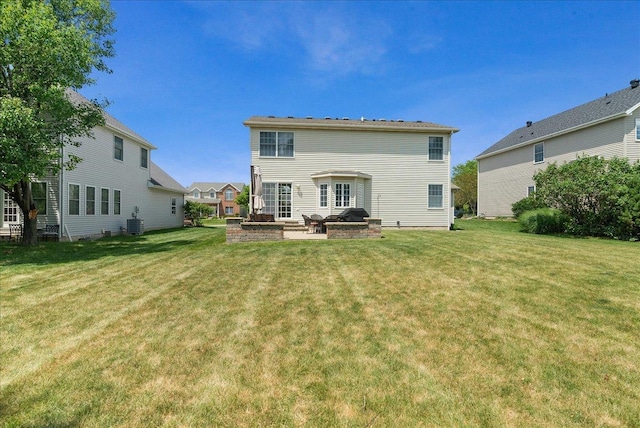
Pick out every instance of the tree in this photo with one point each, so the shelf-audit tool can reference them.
(47, 47)
(243, 198)
(465, 176)
(196, 211)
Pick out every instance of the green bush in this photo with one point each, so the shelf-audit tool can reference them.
(529, 203)
(543, 221)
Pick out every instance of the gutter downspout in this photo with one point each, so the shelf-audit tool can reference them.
(61, 192)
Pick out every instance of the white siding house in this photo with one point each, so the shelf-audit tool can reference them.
(115, 181)
(608, 126)
(397, 171)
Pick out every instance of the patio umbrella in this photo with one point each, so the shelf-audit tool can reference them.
(258, 200)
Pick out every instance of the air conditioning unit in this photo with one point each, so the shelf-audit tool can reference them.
(135, 226)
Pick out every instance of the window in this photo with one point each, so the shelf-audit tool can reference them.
(116, 202)
(276, 144)
(118, 148)
(228, 210)
(212, 195)
(10, 212)
(436, 148)
(90, 200)
(39, 195)
(538, 153)
(104, 202)
(531, 190)
(228, 195)
(343, 195)
(144, 157)
(196, 194)
(277, 199)
(637, 129)
(436, 199)
(324, 195)
(74, 199)
(174, 206)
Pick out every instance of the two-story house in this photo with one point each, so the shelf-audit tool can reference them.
(115, 181)
(396, 170)
(608, 126)
(218, 195)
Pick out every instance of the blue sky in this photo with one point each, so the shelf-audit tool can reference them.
(187, 74)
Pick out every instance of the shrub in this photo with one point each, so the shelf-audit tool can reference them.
(543, 221)
(529, 203)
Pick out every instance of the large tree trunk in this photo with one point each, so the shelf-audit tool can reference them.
(22, 196)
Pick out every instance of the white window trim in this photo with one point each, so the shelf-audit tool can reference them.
(276, 155)
(443, 150)
(534, 153)
(225, 195)
(637, 129)
(113, 195)
(114, 148)
(327, 196)
(147, 158)
(69, 199)
(86, 199)
(335, 195)
(442, 207)
(531, 190)
(174, 205)
(108, 200)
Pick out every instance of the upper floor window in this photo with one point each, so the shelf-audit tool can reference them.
(538, 153)
(144, 157)
(74, 199)
(90, 200)
(228, 195)
(637, 129)
(118, 148)
(343, 195)
(212, 195)
(276, 144)
(39, 195)
(436, 196)
(436, 148)
(196, 194)
(174, 206)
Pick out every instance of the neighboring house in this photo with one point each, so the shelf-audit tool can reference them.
(220, 196)
(115, 181)
(607, 127)
(398, 171)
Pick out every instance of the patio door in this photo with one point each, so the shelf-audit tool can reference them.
(10, 212)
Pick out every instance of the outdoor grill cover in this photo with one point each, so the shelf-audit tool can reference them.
(353, 214)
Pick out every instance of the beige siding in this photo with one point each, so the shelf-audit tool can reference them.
(504, 178)
(396, 161)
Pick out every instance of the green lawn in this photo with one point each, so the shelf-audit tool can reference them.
(483, 326)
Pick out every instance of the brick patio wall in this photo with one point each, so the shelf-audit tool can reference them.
(239, 231)
(370, 228)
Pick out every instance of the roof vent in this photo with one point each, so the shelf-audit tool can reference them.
(327, 118)
(289, 117)
(418, 121)
(382, 119)
(309, 117)
(271, 117)
(345, 118)
(400, 120)
(635, 83)
(529, 123)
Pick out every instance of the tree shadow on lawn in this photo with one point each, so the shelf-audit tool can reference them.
(66, 252)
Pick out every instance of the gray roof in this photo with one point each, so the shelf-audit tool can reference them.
(348, 124)
(110, 121)
(159, 178)
(611, 106)
(205, 186)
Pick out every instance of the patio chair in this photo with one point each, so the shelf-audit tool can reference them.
(15, 232)
(51, 231)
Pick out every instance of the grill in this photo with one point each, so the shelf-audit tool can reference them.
(353, 214)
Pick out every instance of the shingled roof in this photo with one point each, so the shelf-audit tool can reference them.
(160, 179)
(609, 107)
